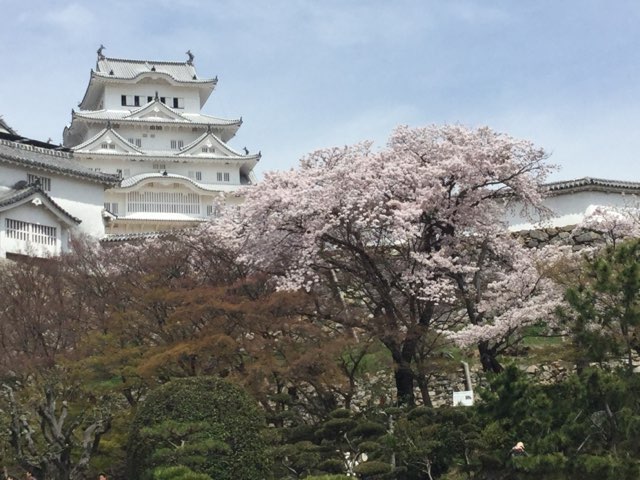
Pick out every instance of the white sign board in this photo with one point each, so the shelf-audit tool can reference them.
(464, 398)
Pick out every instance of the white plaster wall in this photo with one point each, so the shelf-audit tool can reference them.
(213, 198)
(81, 198)
(179, 166)
(84, 200)
(144, 89)
(159, 140)
(569, 209)
(39, 215)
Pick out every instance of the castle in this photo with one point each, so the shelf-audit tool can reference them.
(140, 157)
(142, 120)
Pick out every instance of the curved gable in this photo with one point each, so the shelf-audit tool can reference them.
(209, 145)
(156, 110)
(107, 141)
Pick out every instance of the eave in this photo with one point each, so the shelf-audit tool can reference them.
(30, 193)
(97, 81)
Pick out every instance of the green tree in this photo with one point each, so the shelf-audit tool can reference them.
(205, 424)
(604, 313)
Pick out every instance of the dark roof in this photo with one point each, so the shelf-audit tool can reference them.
(129, 69)
(22, 192)
(5, 126)
(50, 158)
(591, 184)
(128, 237)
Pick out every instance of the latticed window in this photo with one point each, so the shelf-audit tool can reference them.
(213, 210)
(45, 182)
(30, 232)
(163, 202)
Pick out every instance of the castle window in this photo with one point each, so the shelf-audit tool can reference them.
(30, 232)
(130, 100)
(159, 166)
(45, 182)
(198, 175)
(111, 207)
(178, 102)
(163, 202)
(226, 177)
(208, 150)
(163, 100)
(213, 210)
(135, 141)
(177, 144)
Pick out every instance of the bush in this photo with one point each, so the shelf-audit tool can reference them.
(372, 469)
(328, 477)
(178, 473)
(205, 424)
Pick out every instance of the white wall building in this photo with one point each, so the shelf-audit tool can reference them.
(571, 201)
(44, 196)
(142, 119)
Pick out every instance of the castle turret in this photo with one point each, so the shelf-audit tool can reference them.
(142, 119)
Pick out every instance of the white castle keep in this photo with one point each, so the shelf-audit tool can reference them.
(142, 120)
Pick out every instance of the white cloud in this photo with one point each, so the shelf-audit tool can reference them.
(72, 18)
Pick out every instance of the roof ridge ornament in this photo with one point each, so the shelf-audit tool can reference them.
(99, 52)
(191, 57)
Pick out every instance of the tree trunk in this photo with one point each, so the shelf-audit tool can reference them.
(488, 358)
(404, 384)
(423, 384)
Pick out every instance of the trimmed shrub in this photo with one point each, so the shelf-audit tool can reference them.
(205, 424)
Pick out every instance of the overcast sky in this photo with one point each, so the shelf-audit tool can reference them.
(309, 74)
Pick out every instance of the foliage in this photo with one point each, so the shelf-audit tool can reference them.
(203, 423)
(604, 314)
(583, 427)
(410, 238)
(328, 477)
(54, 426)
(336, 445)
(431, 441)
(179, 472)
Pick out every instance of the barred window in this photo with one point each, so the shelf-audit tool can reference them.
(163, 202)
(213, 210)
(30, 232)
(45, 182)
(111, 207)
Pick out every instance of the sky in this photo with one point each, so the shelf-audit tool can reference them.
(309, 74)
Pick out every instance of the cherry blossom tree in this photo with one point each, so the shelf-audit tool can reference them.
(410, 237)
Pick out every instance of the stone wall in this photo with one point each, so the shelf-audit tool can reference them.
(560, 236)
